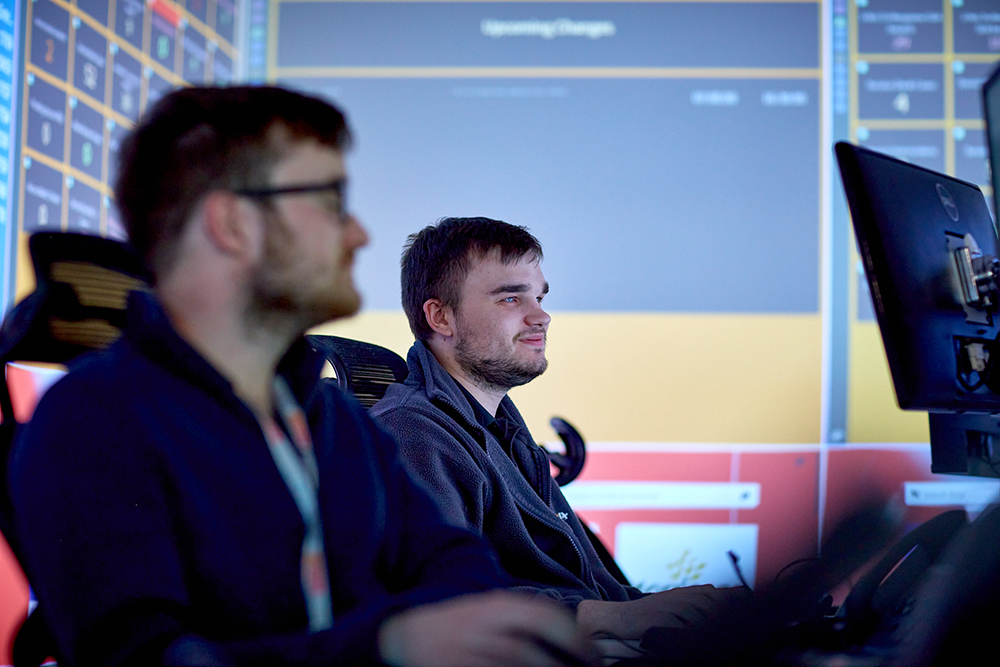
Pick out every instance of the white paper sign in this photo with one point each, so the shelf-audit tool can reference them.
(658, 556)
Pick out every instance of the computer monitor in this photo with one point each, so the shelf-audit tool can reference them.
(929, 249)
(969, 442)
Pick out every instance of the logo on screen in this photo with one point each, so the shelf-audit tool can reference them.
(950, 207)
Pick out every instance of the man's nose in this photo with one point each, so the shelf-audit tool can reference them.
(357, 235)
(538, 317)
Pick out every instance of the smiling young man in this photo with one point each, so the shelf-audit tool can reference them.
(194, 495)
(472, 291)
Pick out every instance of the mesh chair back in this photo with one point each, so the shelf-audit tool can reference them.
(363, 369)
(82, 285)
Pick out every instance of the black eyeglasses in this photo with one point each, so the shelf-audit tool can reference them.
(337, 205)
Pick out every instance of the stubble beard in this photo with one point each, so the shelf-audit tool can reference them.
(499, 372)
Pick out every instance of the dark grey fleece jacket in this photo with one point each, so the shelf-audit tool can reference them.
(504, 493)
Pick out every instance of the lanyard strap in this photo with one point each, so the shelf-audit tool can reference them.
(301, 475)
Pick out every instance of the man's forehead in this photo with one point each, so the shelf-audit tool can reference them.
(492, 269)
(495, 256)
(308, 160)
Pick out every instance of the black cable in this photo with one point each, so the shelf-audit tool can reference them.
(736, 566)
(791, 565)
(971, 386)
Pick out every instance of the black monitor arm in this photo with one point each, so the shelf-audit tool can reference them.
(978, 274)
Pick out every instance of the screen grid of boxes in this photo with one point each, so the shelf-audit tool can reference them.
(92, 67)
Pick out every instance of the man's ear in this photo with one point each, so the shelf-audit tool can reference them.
(229, 226)
(440, 318)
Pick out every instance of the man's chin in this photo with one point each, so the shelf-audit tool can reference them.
(335, 309)
(536, 364)
(526, 374)
(346, 307)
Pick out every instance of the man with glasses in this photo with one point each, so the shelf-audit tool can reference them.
(194, 495)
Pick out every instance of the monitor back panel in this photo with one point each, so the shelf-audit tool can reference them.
(909, 221)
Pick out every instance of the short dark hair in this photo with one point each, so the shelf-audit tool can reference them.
(437, 259)
(200, 139)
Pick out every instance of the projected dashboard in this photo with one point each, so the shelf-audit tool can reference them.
(914, 72)
(672, 156)
(91, 68)
(678, 139)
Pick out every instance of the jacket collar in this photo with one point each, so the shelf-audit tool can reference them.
(441, 387)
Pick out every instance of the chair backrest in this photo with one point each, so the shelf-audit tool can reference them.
(82, 285)
(363, 369)
(366, 370)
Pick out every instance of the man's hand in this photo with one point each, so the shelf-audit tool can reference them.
(675, 608)
(494, 629)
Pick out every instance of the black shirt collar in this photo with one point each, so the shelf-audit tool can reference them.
(483, 418)
(502, 428)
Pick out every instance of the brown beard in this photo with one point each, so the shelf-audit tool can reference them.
(274, 297)
(496, 373)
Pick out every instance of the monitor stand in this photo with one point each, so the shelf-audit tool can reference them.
(966, 443)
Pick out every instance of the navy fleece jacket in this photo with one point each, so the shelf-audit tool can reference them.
(150, 515)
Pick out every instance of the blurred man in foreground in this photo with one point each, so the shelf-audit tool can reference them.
(193, 495)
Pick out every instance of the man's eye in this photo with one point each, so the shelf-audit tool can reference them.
(511, 299)
(331, 202)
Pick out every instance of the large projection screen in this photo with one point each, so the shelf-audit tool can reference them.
(668, 152)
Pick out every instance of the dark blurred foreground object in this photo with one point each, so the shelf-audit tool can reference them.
(82, 284)
(957, 609)
(931, 600)
(759, 627)
(886, 593)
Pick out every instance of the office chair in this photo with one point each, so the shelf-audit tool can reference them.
(366, 370)
(78, 305)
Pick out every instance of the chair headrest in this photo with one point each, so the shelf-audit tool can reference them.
(81, 291)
